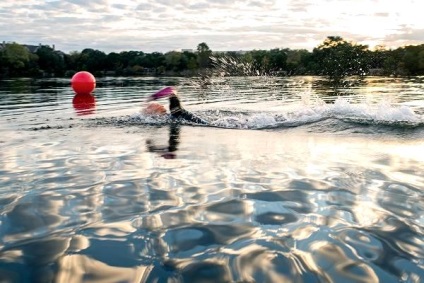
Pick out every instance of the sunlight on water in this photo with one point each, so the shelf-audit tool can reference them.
(292, 181)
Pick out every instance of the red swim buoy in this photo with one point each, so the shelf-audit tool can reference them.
(83, 82)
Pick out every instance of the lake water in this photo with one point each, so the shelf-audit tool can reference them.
(293, 181)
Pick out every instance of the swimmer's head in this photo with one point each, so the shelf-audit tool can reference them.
(154, 108)
(165, 92)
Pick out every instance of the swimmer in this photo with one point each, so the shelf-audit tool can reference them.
(154, 108)
(177, 111)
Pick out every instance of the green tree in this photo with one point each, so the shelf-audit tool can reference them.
(50, 61)
(413, 59)
(15, 58)
(173, 61)
(298, 61)
(421, 60)
(337, 58)
(392, 63)
(376, 57)
(260, 61)
(92, 60)
(72, 61)
(203, 55)
(113, 63)
(277, 60)
(188, 61)
(125, 58)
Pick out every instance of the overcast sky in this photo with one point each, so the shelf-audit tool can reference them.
(165, 25)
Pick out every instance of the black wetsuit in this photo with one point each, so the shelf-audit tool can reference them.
(179, 113)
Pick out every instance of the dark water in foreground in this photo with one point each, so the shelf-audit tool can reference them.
(290, 183)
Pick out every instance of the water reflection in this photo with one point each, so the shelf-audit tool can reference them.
(26, 91)
(84, 104)
(101, 204)
(167, 152)
(19, 86)
(331, 89)
(307, 221)
(81, 268)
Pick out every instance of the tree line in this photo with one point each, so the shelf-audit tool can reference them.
(335, 58)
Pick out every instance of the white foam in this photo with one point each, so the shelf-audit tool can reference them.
(260, 121)
(297, 114)
(381, 112)
(231, 122)
(342, 108)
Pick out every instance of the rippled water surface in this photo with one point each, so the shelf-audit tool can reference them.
(293, 181)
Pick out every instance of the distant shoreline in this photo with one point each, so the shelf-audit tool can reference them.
(335, 58)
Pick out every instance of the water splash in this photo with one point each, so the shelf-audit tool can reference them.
(307, 112)
(229, 66)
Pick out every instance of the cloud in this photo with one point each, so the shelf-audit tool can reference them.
(163, 25)
(384, 15)
(261, 4)
(300, 6)
(405, 36)
(92, 5)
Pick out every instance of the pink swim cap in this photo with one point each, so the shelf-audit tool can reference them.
(165, 92)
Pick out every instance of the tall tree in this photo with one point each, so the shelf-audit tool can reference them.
(261, 62)
(15, 58)
(50, 61)
(113, 62)
(337, 58)
(173, 61)
(203, 55)
(277, 60)
(297, 61)
(93, 60)
(413, 59)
